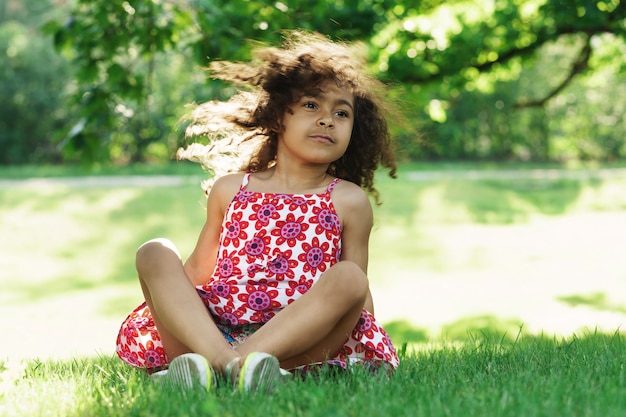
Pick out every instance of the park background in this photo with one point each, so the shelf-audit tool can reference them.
(508, 215)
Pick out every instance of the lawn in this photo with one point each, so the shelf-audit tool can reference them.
(453, 258)
(486, 376)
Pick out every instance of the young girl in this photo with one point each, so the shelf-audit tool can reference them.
(278, 277)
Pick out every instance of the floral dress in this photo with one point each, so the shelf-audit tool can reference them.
(274, 248)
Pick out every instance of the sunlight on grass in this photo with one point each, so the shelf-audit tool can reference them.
(68, 233)
(580, 375)
(451, 250)
(447, 256)
(68, 277)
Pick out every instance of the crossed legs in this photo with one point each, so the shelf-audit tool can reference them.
(181, 317)
(311, 329)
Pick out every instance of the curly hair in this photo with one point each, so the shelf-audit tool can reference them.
(276, 79)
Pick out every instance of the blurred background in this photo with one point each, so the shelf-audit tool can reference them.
(510, 208)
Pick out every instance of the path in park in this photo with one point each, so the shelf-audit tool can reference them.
(173, 180)
(528, 293)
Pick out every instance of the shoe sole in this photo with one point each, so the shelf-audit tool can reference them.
(259, 373)
(190, 370)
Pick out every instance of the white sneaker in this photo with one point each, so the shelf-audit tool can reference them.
(188, 370)
(260, 372)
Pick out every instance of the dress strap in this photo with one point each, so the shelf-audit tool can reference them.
(245, 180)
(332, 186)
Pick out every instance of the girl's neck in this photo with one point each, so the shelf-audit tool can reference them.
(280, 180)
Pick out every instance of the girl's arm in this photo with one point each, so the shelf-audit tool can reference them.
(201, 263)
(355, 211)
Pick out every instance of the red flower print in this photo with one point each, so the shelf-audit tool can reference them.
(366, 326)
(264, 281)
(369, 351)
(243, 197)
(139, 323)
(260, 297)
(374, 351)
(281, 265)
(152, 356)
(258, 246)
(221, 289)
(219, 292)
(386, 338)
(337, 244)
(265, 212)
(227, 264)
(299, 203)
(130, 331)
(290, 230)
(315, 256)
(128, 356)
(228, 315)
(327, 221)
(380, 350)
(234, 230)
(259, 317)
(253, 269)
(301, 286)
(347, 350)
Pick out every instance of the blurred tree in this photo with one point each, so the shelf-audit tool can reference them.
(448, 56)
(33, 82)
(115, 46)
(497, 67)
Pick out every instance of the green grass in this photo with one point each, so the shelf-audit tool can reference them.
(450, 259)
(80, 242)
(485, 376)
(59, 171)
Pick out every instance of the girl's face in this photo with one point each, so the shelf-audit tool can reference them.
(317, 129)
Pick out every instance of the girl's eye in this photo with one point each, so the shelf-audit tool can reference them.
(342, 113)
(309, 104)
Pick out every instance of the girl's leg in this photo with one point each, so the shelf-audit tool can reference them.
(314, 327)
(181, 317)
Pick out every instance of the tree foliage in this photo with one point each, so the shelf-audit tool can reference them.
(485, 73)
(115, 46)
(480, 79)
(32, 85)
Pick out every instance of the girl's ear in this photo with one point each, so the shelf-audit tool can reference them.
(278, 126)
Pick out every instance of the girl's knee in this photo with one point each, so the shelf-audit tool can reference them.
(154, 250)
(349, 277)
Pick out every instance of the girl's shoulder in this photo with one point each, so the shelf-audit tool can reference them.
(349, 188)
(349, 196)
(230, 180)
(225, 188)
(353, 206)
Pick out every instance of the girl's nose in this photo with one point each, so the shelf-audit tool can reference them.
(325, 121)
